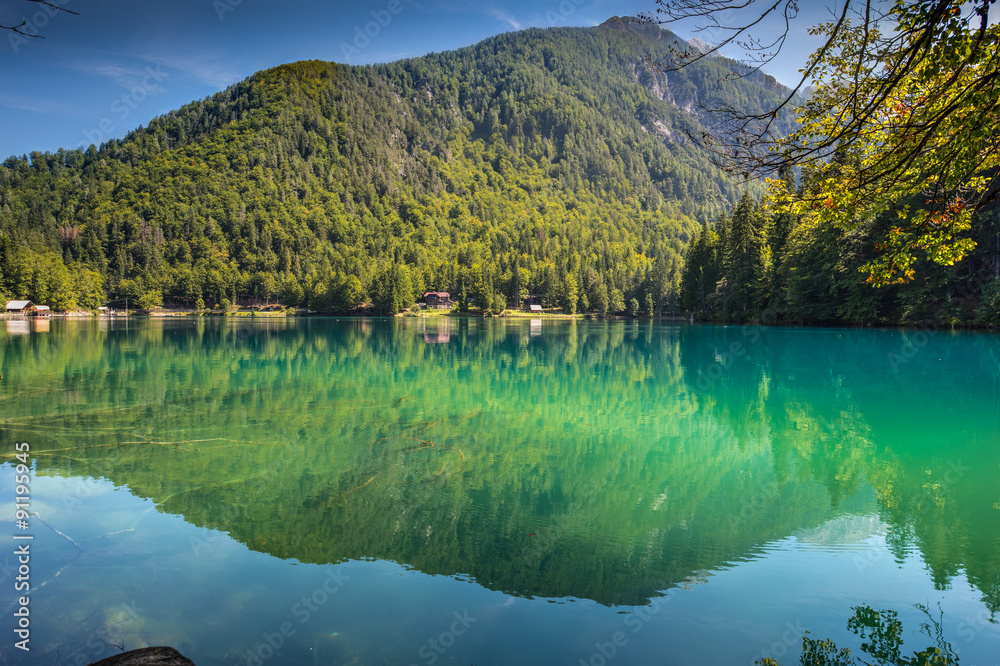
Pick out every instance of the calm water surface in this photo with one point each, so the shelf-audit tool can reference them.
(498, 492)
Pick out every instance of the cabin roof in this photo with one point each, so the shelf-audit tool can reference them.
(17, 305)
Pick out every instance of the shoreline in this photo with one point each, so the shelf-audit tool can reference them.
(510, 314)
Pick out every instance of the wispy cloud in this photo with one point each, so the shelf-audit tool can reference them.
(40, 105)
(125, 75)
(198, 68)
(131, 70)
(506, 17)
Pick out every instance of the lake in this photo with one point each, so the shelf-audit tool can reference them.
(462, 491)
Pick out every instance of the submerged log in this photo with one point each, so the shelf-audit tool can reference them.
(150, 656)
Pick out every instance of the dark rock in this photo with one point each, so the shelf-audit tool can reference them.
(151, 656)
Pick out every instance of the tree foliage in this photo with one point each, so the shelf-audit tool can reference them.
(901, 121)
(762, 265)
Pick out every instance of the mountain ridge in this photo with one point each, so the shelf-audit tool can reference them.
(557, 152)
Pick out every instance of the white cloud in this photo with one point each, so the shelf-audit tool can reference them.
(506, 17)
(131, 70)
(123, 75)
(197, 68)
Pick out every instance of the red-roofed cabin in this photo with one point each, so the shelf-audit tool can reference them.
(439, 300)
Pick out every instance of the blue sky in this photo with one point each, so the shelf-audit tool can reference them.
(120, 63)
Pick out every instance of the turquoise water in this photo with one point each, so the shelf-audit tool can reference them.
(417, 491)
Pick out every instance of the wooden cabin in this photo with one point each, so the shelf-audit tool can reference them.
(438, 300)
(20, 307)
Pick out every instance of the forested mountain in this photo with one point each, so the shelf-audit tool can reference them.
(546, 162)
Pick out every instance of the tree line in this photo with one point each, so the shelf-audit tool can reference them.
(754, 264)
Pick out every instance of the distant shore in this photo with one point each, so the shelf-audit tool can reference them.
(293, 312)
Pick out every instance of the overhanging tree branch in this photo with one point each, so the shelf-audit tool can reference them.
(907, 94)
(24, 22)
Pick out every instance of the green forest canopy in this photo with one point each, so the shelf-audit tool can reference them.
(545, 162)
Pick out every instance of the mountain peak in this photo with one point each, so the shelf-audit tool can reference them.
(699, 45)
(619, 22)
(637, 26)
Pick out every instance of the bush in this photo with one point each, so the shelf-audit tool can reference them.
(499, 304)
(151, 300)
(617, 304)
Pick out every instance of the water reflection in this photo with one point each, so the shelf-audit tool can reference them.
(436, 331)
(584, 460)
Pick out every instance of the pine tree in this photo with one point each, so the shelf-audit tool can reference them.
(570, 294)
(702, 271)
(745, 258)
